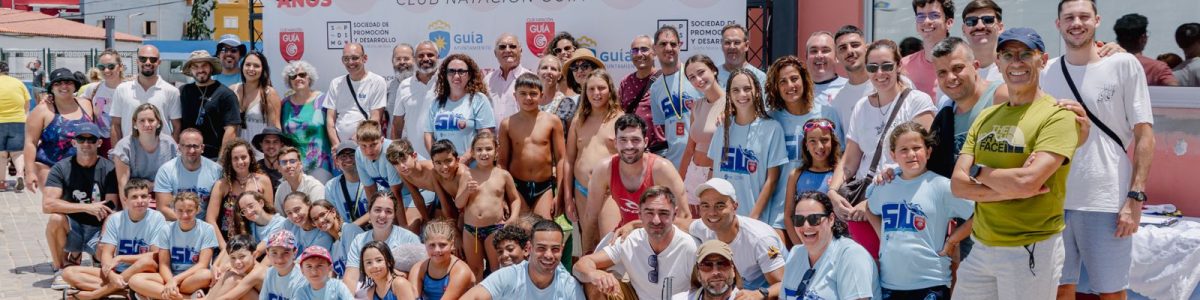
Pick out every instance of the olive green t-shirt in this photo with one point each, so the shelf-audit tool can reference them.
(1003, 137)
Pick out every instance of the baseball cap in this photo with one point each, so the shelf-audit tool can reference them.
(714, 246)
(282, 238)
(720, 185)
(88, 128)
(1025, 35)
(346, 145)
(315, 252)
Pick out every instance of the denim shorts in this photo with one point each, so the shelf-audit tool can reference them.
(12, 137)
(82, 237)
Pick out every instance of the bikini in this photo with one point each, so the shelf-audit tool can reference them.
(56, 137)
(434, 288)
(627, 201)
(531, 190)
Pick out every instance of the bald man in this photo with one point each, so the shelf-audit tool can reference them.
(148, 88)
(501, 81)
(355, 97)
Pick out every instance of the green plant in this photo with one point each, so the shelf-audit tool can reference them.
(198, 28)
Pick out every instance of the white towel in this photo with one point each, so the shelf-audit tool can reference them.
(1166, 261)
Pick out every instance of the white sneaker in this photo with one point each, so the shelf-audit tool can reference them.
(58, 283)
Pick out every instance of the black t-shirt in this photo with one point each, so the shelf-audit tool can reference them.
(220, 108)
(81, 184)
(274, 174)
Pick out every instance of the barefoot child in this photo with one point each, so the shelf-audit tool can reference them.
(240, 251)
(449, 170)
(419, 180)
(125, 247)
(481, 196)
(184, 253)
(315, 264)
(531, 141)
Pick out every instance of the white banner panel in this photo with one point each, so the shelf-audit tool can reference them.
(317, 30)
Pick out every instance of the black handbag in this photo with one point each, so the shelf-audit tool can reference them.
(855, 189)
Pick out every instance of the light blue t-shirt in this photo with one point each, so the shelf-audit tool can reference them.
(185, 246)
(915, 214)
(513, 282)
(276, 287)
(132, 238)
(671, 101)
(228, 79)
(962, 122)
(334, 290)
(824, 92)
(759, 76)
(174, 178)
(260, 233)
(380, 172)
(844, 271)
(306, 238)
(459, 120)
(342, 247)
(335, 196)
(753, 149)
(398, 236)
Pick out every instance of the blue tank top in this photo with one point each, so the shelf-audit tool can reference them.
(388, 296)
(433, 289)
(813, 181)
(56, 137)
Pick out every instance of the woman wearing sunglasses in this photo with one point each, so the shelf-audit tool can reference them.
(892, 103)
(51, 126)
(828, 265)
(303, 120)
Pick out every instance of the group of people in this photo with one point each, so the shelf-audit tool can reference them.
(976, 168)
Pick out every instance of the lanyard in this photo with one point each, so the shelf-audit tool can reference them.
(353, 214)
(678, 110)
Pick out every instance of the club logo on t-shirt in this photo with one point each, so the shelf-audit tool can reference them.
(1003, 139)
(739, 161)
(792, 143)
(184, 255)
(448, 121)
(904, 216)
(131, 247)
(672, 102)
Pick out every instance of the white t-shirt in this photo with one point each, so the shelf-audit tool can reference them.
(756, 249)
(847, 97)
(308, 185)
(513, 282)
(824, 92)
(412, 103)
(130, 94)
(1115, 90)
(501, 91)
(372, 94)
(674, 263)
(102, 99)
(991, 73)
(866, 126)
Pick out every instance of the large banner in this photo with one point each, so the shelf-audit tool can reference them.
(316, 31)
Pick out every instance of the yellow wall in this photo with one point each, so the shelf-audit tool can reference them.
(237, 9)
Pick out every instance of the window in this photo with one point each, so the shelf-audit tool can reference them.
(231, 22)
(150, 28)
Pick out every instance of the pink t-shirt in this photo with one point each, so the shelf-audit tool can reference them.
(1157, 72)
(920, 72)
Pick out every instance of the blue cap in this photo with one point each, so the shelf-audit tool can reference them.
(83, 128)
(1025, 35)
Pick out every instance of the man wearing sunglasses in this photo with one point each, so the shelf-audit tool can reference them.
(1014, 165)
(635, 87)
(760, 253)
(982, 24)
(715, 276)
(934, 19)
(413, 96)
(501, 82)
(230, 50)
(84, 188)
(148, 88)
(358, 96)
(1105, 189)
(657, 258)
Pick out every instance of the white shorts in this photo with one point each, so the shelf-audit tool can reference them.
(696, 175)
(1028, 272)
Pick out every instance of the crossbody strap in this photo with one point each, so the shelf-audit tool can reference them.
(1062, 61)
(354, 94)
(879, 146)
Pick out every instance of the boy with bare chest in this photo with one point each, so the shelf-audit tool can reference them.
(420, 182)
(531, 141)
(488, 198)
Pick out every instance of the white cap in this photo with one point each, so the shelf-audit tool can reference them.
(720, 185)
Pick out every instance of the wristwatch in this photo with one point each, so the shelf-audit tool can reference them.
(974, 172)
(1140, 196)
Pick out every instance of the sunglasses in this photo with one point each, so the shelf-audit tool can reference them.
(653, 262)
(103, 67)
(583, 65)
(813, 219)
(147, 59)
(639, 50)
(563, 49)
(299, 75)
(288, 161)
(453, 72)
(814, 124)
(86, 139)
(707, 266)
(886, 67)
(972, 20)
(503, 47)
(922, 17)
(351, 58)
(229, 49)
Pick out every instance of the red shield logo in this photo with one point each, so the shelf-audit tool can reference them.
(291, 45)
(919, 223)
(538, 35)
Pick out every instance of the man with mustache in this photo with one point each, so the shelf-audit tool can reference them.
(230, 50)
(148, 88)
(403, 66)
(207, 105)
(542, 276)
(761, 253)
(715, 276)
(820, 59)
(982, 24)
(501, 82)
(413, 96)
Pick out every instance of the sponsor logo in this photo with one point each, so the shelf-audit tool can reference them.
(440, 35)
(904, 216)
(302, 3)
(291, 44)
(681, 25)
(445, 39)
(739, 161)
(538, 33)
